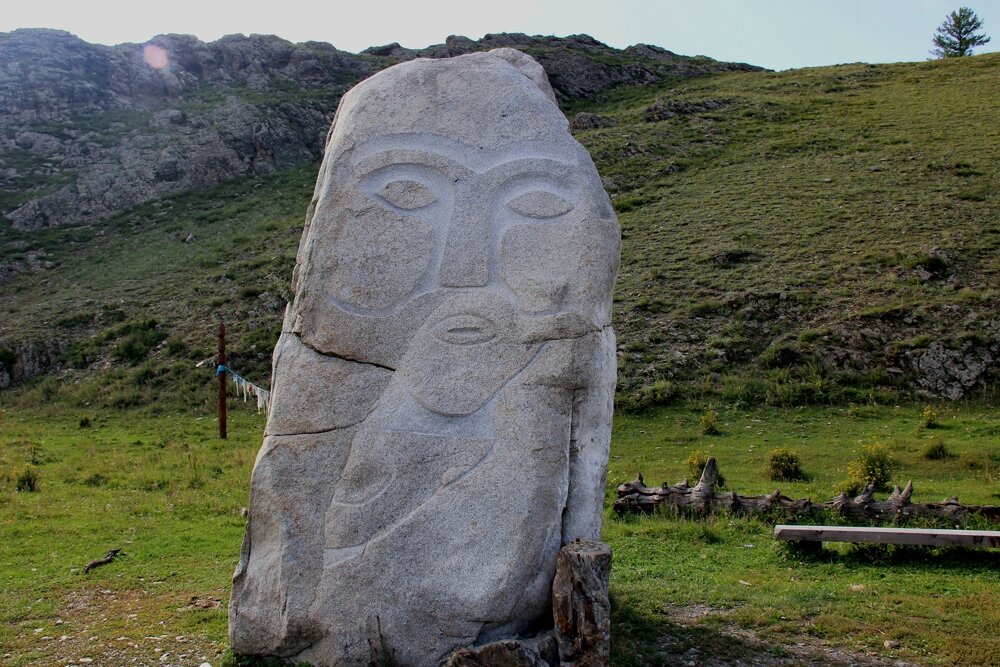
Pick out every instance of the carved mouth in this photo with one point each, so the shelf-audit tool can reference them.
(465, 330)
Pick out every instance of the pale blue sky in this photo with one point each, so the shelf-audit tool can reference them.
(778, 34)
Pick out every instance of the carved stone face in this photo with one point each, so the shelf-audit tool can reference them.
(409, 211)
(442, 389)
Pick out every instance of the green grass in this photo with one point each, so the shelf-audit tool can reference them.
(725, 588)
(161, 486)
(164, 489)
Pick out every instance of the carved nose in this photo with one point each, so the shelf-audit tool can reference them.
(466, 259)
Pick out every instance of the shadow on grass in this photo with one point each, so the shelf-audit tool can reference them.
(914, 557)
(644, 640)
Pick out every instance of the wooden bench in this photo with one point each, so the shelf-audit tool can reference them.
(921, 536)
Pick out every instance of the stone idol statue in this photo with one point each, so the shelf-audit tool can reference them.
(442, 388)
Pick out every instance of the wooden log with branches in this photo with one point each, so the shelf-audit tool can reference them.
(110, 556)
(704, 499)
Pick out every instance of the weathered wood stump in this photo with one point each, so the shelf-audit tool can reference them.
(580, 604)
(703, 499)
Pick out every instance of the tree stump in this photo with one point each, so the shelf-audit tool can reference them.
(580, 604)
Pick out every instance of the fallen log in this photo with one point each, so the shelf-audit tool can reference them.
(110, 556)
(704, 499)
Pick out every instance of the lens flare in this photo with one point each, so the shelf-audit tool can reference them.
(155, 56)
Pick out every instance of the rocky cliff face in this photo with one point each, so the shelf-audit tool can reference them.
(87, 131)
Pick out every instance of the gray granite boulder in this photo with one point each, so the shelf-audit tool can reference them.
(442, 390)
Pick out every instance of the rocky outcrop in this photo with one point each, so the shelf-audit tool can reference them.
(578, 66)
(20, 361)
(87, 131)
(111, 130)
(951, 372)
(52, 76)
(665, 108)
(174, 152)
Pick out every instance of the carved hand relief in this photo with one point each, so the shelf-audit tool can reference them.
(443, 385)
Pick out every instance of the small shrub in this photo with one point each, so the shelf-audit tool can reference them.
(124, 398)
(709, 423)
(707, 308)
(138, 339)
(743, 391)
(95, 480)
(932, 264)
(660, 392)
(695, 463)
(707, 534)
(849, 488)
(27, 480)
(813, 335)
(161, 483)
(111, 315)
(628, 203)
(75, 321)
(936, 450)
(784, 466)
(175, 346)
(780, 355)
(874, 464)
(928, 417)
(970, 460)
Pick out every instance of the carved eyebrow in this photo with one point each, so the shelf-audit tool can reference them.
(522, 182)
(440, 149)
(548, 168)
(408, 158)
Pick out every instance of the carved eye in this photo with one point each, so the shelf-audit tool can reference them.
(540, 204)
(465, 330)
(407, 195)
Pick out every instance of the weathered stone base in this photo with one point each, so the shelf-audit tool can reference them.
(581, 612)
(540, 651)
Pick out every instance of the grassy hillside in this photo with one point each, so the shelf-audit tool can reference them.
(789, 238)
(812, 230)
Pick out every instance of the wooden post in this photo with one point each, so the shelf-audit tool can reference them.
(222, 381)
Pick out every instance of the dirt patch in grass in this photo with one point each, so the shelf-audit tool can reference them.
(118, 627)
(711, 640)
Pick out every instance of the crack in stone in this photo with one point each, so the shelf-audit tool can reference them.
(321, 432)
(342, 357)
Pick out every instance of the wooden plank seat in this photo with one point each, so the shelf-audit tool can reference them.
(919, 536)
